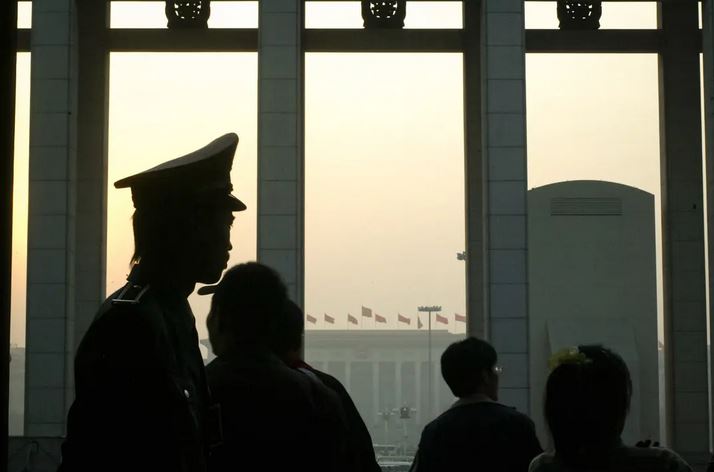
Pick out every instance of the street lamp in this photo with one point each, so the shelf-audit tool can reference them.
(430, 310)
(386, 414)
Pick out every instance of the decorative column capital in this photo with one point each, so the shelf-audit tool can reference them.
(388, 14)
(188, 14)
(579, 15)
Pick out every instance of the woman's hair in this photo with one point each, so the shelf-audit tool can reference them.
(158, 234)
(587, 399)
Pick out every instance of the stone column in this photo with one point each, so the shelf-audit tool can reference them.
(66, 233)
(8, 56)
(708, 63)
(504, 180)
(49, 279)
(280, 141)
(683, 236)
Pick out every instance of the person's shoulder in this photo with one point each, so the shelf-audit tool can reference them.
(544, 462)
(124, 328)
(491, 409)
(118, 310)
(326, 378)
(262, 370)
(510, 414)
(653, 459)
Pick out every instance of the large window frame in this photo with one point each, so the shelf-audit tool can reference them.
(467, 41)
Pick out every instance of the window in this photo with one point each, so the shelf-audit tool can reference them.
(615, 15)
(128, 14)
(19, 247)
(594, 118)
(345, 14)
(384, 221)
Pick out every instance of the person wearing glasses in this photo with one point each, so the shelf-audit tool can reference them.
(476, 432)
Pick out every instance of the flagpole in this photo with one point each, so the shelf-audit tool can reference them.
(429, 310)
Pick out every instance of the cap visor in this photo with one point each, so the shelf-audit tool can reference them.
(207, 289)
(236, 205)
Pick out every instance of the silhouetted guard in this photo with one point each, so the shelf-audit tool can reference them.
(575, 15)
(188, 14)
(385, 14)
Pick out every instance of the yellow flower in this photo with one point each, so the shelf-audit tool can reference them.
(570, 355)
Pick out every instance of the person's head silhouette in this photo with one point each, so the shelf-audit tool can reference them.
(183, 215)
(587, 399)
(246, 306)
(469, 368)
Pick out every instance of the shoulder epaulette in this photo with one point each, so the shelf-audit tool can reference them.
(130, 295)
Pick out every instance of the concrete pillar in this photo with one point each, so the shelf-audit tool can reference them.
(504, 180)
(683, 236)
(475, 175)
(280, 141)
(66, 235)
(92, 161)
(8, 47)
(49, 279)
(708, 56)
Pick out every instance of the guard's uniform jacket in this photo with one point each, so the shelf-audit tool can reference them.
(141, 394)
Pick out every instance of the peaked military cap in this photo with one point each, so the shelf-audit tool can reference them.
(203, 175)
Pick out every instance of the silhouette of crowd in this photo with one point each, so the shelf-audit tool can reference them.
(145, 402)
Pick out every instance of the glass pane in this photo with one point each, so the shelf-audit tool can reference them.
(615, 15)
(24, 15)
(186, 100)
(19, 247)
(384, 220)
(151, 15)
(348, 15)
(593, 128)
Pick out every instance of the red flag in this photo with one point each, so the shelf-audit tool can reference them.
(311, 319)
(419, 323)
(366, 312)
(329, 319)
(379, 319)
(351, 319)
(442, 319)
(404, 319)
(460, 318)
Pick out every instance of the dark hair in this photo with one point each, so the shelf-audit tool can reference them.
(586, 403)
(248, 302)
(158, 233)
(462, 363)
(287, 335)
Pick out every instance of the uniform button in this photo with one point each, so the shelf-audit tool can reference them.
(186, 393)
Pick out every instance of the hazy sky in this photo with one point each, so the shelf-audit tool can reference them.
(384, 152)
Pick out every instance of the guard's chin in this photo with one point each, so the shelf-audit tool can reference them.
(211, 277)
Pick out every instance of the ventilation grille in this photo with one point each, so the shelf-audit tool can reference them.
(578, 206)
